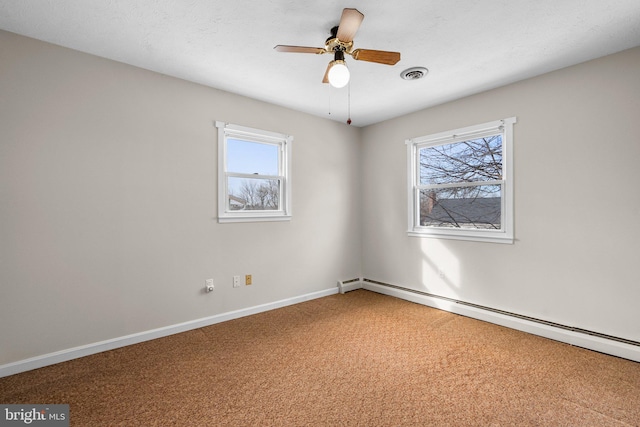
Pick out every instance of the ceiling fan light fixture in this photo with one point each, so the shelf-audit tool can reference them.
(338, 73)
(341, 42)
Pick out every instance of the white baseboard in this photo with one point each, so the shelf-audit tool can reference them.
(86, 350)
(603, 345)
(596, 343)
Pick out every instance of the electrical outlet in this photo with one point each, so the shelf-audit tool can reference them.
(247, 279)
(209, 285)
(236, 281)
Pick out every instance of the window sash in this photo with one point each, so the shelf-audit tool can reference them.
(277, 178)
(417, 206)
(279, 154)
(459, 184)
(463, 134)
(443, 154)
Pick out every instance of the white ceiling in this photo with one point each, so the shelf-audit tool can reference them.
(468, 46)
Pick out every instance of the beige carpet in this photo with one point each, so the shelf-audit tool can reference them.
(360, 359)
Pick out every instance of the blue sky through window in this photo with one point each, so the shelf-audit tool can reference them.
(252, 157)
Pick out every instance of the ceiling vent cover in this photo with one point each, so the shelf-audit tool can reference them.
(414, 73)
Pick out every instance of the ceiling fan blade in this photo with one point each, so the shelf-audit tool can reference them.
(326, 74)
(300, 49)
(349, 24)
(379, 56)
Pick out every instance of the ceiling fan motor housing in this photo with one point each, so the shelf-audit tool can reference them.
(334, 45)
(334, 33)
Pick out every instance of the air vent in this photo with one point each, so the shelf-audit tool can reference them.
(414, 73)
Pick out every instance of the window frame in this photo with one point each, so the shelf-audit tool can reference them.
(506, 232)
(243, 133)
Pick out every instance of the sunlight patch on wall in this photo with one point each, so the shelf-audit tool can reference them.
(441, 271)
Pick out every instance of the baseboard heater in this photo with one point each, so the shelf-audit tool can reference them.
(508, 313)
(349, 285)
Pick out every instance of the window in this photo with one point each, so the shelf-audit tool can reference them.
(461, 183)
(254, 179)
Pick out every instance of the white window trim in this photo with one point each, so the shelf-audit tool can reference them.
(226, 130)
(504, 235)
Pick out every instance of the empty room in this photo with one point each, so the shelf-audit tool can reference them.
(319, 213)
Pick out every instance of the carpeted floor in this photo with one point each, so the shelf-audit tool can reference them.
(359, 359)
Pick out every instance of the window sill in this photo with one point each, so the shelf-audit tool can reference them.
(485, 237)
(254, 218)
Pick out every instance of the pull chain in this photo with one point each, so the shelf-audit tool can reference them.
(349, 104)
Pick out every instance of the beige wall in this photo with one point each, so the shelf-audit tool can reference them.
(577, 205)
(108, 202)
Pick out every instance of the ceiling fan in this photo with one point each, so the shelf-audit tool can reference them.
(341, 42)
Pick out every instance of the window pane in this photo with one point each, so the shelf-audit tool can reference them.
(252, 157)
(476, 207)
(254, 194)
(467, 161)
